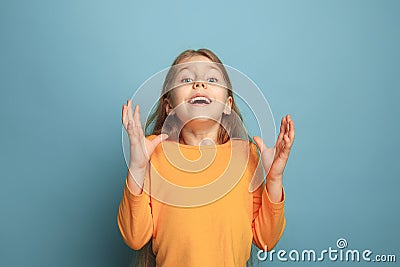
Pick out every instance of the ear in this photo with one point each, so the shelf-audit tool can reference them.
(168, 106)
(228, 105)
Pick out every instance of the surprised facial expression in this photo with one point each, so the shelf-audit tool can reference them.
(198, 90)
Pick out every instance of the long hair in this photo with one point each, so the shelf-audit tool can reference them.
(233, 126)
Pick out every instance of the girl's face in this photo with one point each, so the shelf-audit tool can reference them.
(199, 90)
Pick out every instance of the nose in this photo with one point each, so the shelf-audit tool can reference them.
(199, 85)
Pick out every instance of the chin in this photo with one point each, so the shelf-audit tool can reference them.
(200, 118)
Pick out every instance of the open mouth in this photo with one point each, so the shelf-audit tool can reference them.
(199, 100)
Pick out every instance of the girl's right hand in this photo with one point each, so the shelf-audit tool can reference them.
(140, 147)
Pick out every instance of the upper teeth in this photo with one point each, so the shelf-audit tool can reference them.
(192, 100)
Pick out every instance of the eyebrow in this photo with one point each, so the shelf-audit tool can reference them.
(182, 70)
(212, 68)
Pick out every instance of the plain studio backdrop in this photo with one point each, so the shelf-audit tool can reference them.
(68, 66)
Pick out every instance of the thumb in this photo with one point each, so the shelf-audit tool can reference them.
(260, 143)
(159, 138)
(267, 154)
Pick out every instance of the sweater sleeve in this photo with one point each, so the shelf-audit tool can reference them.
(135, 220)
(268, 221)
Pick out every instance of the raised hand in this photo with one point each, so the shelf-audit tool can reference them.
(277, 165)
(141, 148)
(282, 148)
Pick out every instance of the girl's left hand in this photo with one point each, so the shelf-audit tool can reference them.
(282, 149)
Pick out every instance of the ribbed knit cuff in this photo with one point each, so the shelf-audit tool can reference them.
(275, 205)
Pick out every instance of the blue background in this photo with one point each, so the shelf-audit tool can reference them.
(66, 68)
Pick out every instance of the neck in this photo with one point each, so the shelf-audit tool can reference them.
(197, 133)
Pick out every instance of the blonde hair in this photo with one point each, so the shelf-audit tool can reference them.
(233, 126)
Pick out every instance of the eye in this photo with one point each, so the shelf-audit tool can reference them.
(186, 80)
(212, 80)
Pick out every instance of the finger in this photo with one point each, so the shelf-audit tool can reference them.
(130, 112)
(289, 137)
(291, 132)
(288, 143)
(287, 123)
(131, 131)
(286, 138)
(138, 123)
(281, 130)
(125, 116)
(123, 113)
(283, 126)
(136, 116)
(125, 109)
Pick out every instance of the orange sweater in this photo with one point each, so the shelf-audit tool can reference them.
(209, 218)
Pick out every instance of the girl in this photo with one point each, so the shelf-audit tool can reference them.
(211, 228)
